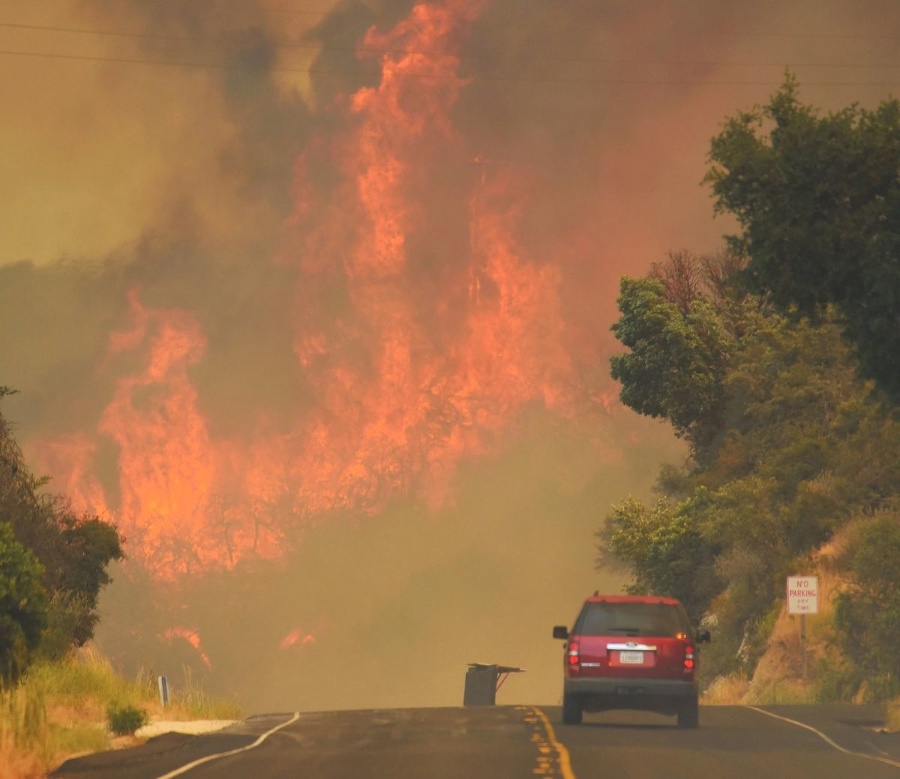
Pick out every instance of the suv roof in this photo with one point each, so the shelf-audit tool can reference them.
(632, 599)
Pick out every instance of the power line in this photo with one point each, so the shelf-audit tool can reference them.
(262, 7)
(368, 50)
(728, 33)
(524, 79)
(122, 60)
(113, 33)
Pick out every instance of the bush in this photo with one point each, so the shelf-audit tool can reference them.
(837, 680)
(68, 558)
(23, 606)
(66, 613)
(867, 612)
(125, 720)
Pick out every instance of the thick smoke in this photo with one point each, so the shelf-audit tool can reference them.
(315, 302)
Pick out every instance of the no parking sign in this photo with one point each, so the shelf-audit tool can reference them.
(803, 594)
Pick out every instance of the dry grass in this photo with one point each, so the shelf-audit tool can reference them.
(737, 690)
(726, 691)
(779, 675)
(59, 710)
(892, 716)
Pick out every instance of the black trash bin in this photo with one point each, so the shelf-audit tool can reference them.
(482, 682)
(481, 685)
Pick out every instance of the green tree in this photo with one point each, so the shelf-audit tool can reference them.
(80, 559)
(73, 551)
(795, 448)
(23, 605)
(675, 369)
(817, 198)
(664, 550)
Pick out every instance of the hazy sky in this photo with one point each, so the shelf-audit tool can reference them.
(313, 299)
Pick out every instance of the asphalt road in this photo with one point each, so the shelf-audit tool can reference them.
(799, 742)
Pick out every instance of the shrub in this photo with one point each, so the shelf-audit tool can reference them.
(125, 720)
(867, 612)
(23, 606)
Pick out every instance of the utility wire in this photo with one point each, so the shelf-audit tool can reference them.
(263, 7)
(453, 76)
(729, 33)
(368, 50)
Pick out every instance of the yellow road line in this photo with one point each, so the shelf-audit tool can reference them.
(563, 760)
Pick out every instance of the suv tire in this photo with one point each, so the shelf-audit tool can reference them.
(571, 710)
(689, 714)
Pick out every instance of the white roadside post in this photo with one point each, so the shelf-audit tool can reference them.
(803, 599)
(163, 691)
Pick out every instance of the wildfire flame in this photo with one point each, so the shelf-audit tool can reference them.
(296, 638)
(412, 368)
(192, 637)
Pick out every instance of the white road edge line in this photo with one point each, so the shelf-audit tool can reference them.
(825, 738)
(187, 767)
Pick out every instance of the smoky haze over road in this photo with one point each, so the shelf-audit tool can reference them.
(314, 300)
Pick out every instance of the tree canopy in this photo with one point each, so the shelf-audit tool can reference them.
(794, 450)
(23, 606)
(679, 347)
(768, 368)
(817, 198)
(58, 557)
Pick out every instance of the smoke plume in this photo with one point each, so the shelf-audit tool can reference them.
(314, 303)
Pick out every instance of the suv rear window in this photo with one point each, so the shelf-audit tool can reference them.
(630, 619)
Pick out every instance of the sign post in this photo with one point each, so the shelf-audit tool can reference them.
(163, 690)
(803, 599)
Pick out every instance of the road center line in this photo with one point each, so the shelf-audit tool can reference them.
(565, 763)
(825, 738)
(188, 766)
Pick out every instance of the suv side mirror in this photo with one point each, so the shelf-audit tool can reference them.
(561, 631)
(703, 636)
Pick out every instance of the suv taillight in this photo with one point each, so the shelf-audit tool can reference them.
(689, 663)
(572, 658)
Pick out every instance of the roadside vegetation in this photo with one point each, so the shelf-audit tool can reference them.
(79, 704)
(53, 564)
(58, 697)
(778, 362)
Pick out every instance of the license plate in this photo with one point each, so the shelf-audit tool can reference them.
(631, 658)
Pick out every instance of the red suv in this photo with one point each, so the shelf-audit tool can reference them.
(631, 652)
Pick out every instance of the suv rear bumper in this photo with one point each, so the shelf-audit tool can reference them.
(663, 695)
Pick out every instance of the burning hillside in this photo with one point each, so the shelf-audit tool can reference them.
(314, 303)
(422, 330)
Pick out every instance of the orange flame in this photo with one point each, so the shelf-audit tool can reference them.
(71, 459)
(297, 637)
(192, 637)
(166, 462)
(410, 374)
